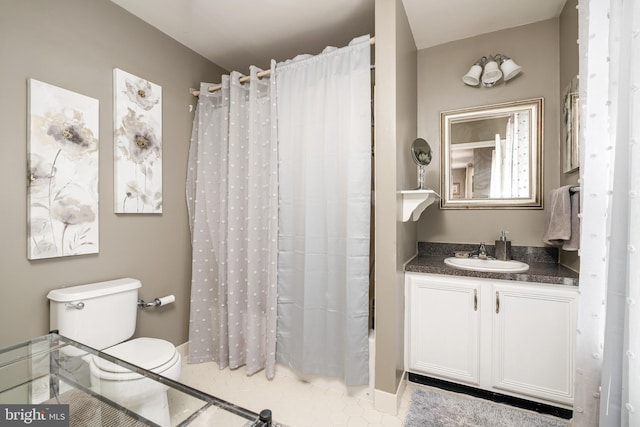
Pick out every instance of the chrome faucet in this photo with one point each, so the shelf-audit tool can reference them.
(482, 251)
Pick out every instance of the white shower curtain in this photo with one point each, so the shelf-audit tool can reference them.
(232, 202)
(324, 131)
(608, 344)
(510, 163)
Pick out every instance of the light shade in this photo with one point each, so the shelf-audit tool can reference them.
(510, 69)
(492, 68)
(472, 78)
(491, 73)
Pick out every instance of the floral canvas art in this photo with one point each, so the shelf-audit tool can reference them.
(138, 144)
(62, 172)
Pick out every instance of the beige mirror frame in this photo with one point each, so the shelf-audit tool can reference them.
(491, 156)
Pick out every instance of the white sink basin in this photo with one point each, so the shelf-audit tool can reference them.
(487, 265)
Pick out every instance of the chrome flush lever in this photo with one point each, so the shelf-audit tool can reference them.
(76, 305)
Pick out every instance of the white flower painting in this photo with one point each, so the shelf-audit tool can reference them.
(62, 172)
(138, 144)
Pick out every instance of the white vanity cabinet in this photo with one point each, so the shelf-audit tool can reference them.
(533, 345)
(443, 327)
(514, 338)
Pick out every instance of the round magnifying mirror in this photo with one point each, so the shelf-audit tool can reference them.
(421, 152)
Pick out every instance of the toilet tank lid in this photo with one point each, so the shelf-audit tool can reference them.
(93, 290)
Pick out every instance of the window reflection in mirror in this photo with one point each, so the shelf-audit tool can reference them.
(491, 156)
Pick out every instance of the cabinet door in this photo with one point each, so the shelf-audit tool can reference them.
(534, 341)
(443, 328)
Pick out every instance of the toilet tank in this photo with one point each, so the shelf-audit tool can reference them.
(99, 315)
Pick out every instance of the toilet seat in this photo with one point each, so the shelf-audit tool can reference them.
(152, 354)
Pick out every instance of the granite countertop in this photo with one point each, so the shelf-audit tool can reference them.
(543, 263)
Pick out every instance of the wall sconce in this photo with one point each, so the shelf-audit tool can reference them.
(492, 67)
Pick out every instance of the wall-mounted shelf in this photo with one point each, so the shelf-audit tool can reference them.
(414, 202)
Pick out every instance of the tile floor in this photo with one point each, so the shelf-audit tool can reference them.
(294, 403)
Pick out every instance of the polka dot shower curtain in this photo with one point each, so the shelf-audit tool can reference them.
(607, 389)
(232, 202)
(279, 209)
(510, 159)
(324, 132)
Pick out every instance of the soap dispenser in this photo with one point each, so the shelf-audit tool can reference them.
(503, 247)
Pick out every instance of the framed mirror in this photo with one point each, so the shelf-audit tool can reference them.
(570, 127)
(492, 156)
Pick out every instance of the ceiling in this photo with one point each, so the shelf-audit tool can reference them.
(237, 33)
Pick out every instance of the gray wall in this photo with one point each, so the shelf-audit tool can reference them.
(406, 172)
(395, 130)
(569, 59)
(75, 44)
(440, 88)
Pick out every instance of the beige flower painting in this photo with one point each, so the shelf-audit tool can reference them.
(62, 173)
(138, 144)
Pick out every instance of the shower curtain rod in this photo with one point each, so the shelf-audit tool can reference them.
(243, 79)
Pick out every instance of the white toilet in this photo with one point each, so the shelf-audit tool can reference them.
(103, 315)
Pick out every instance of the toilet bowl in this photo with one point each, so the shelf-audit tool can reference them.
(143, 396)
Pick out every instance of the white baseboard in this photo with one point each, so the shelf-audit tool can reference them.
(389, 403)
